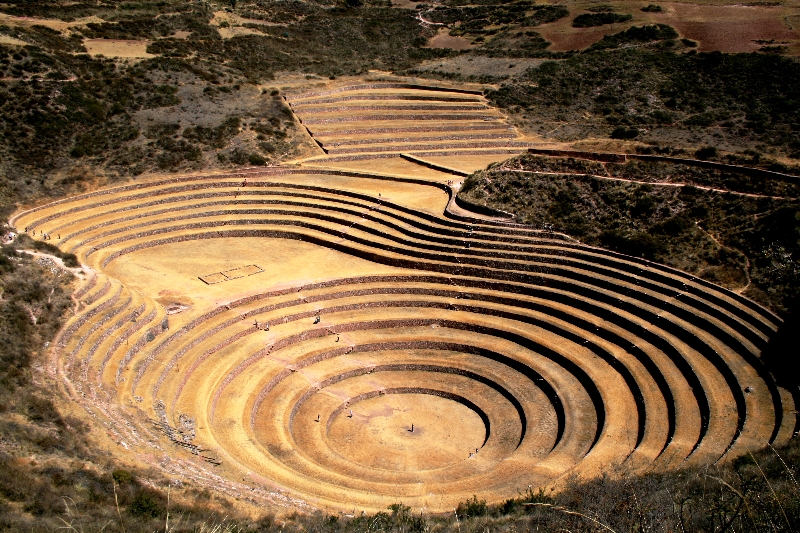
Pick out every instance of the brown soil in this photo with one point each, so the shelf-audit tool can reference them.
(55, 24)
(443, 40)
(726, 28)
(729, 28)
(565, 38)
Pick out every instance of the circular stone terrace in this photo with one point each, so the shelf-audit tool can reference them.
(341, 334)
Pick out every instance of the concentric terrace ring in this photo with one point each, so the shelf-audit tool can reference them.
(519, 356)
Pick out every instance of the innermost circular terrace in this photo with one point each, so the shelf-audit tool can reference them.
(380, 432)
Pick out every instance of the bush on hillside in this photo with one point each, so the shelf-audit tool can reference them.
(588, 20)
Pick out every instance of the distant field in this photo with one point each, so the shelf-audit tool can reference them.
(715, 26)
(727, 28)
(468, 65)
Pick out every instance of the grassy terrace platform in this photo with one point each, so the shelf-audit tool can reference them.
(386, 345)
(394, 118)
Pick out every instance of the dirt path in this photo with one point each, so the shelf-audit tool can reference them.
(427, 22)
(77, 271)
(82, 272)
(701, 228)
(680, 184)
(747, 274)
(740, 290)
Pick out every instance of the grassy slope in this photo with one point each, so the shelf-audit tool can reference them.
(50, 473)
(71, 121)
(734, 102)
(739, 241)
(643, 84)
(80, 121)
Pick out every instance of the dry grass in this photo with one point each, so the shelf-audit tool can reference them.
(118, 48)
(479, 66)
(443, 40)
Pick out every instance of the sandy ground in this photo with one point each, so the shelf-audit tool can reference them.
(395, 166)
(55, 24)
(379, 434)
(332, 432)
(118, 48)
(302, 84)
(235, 31)
(5, 39)
(173, 270)
(369, 133)
(230, 24)
(427, 199)
(470, 163)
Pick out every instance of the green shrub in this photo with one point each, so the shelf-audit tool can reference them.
(472, 508)
(256, 159)
(479, 20)
(70, 260)
(755, 96)
(707, 152)
(588, 20)
(636, 34)
(624, 133)
(122, 476)
(146, 504)
(239, 157)
(652, 8)
(526, 503)
(701, 119)
(24, 241)
(216, 137)
(667, 224)
(544, 14)
(41, 410)
(637, 244)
